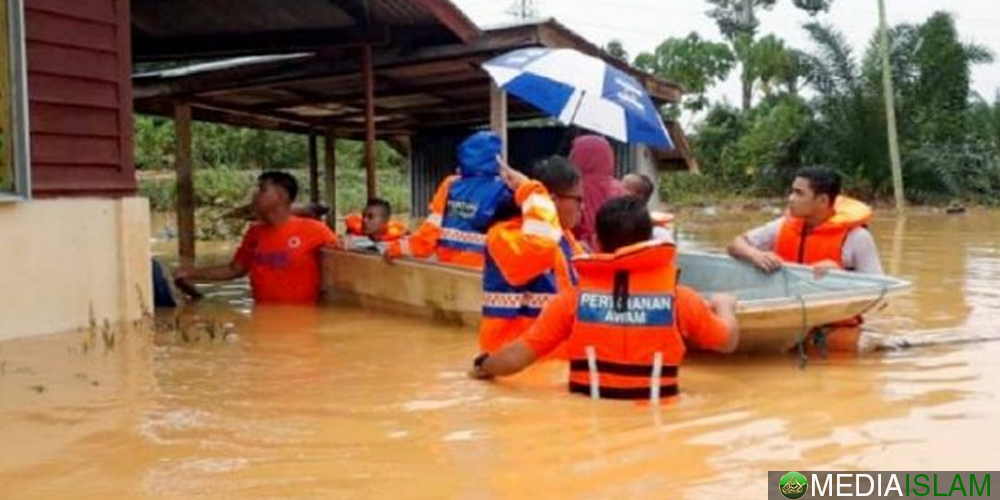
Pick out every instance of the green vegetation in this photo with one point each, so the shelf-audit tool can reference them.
(824, 105)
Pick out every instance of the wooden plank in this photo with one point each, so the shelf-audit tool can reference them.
(498, 115)
(330, 159)
(368, 77)
(87, 10)
(49, 179)
(50, 89)
(71, 150)
(66, 31)
(76, 121)
(72, 62)
(185, 183)
(126, 114)
(76, 177)
(313, 169)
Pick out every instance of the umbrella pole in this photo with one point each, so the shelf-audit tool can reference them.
(564, 144)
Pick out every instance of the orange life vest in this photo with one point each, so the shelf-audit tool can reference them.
(394, 230)
(626, 333)
(795, 243)
(825, 242)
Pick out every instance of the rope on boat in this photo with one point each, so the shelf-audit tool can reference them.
(819, 334)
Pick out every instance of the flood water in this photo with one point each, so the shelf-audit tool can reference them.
(351, 404)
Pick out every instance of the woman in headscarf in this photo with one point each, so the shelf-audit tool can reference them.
(593, 155)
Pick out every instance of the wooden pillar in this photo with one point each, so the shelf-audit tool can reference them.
(498, 114)
(313, 168)
(185, 183)
(368, 77)
(330, 157)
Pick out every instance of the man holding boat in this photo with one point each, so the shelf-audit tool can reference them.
(822, 229)
(627, 321)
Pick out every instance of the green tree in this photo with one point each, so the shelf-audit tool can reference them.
(617, 50)
(737, 21)
(692, 62)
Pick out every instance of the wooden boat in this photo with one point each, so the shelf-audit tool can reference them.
(774, 310)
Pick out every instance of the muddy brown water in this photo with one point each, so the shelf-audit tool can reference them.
(336, 403)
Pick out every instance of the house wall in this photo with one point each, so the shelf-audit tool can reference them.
(79, 97)
(63, 258)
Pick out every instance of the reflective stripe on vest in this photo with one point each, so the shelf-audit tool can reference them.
(434, 219)
(643, 373)
(457, 239)
(508, 305)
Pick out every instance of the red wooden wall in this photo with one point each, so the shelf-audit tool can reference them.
(80, 97)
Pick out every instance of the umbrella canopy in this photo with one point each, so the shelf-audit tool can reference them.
(581, 90)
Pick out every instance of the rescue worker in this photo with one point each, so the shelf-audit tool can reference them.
(281, 252)
(372, 227)
(822, 229)
(462, 209)
(642, 187)
(528, 258)
(628, 321)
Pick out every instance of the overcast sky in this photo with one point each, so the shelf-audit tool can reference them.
(643, 24)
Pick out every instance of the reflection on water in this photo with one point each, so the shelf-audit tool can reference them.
(337, 403)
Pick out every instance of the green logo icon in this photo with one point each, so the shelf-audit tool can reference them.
(793, 485)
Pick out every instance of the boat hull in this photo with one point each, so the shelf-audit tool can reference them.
(767, 323)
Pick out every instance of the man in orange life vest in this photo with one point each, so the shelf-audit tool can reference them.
(822, 229)
(462, 209)
(528, 258)
(628, 320)
(373, 227)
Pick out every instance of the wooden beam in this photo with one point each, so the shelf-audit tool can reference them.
(313, 169)
(466, 83)
(330, 159)
(319, 69)
(498, 115)
(185, 184)
(368, 78)
(162, 48)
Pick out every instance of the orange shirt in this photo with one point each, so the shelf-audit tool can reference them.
(284, 260)
(697, 323)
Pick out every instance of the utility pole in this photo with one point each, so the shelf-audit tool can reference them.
(890, 111)
(523, 10)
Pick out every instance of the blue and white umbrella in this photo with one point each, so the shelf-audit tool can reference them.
(581, 90)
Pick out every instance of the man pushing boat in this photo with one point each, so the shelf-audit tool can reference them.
(627, 321)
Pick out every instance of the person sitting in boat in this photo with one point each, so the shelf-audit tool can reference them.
(462, 208)
(528, 258)
(628, 321)
(822, 229)
(373, 228)
(280, 252)
(642, 187)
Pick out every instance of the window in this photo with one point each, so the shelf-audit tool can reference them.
(14, 162)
